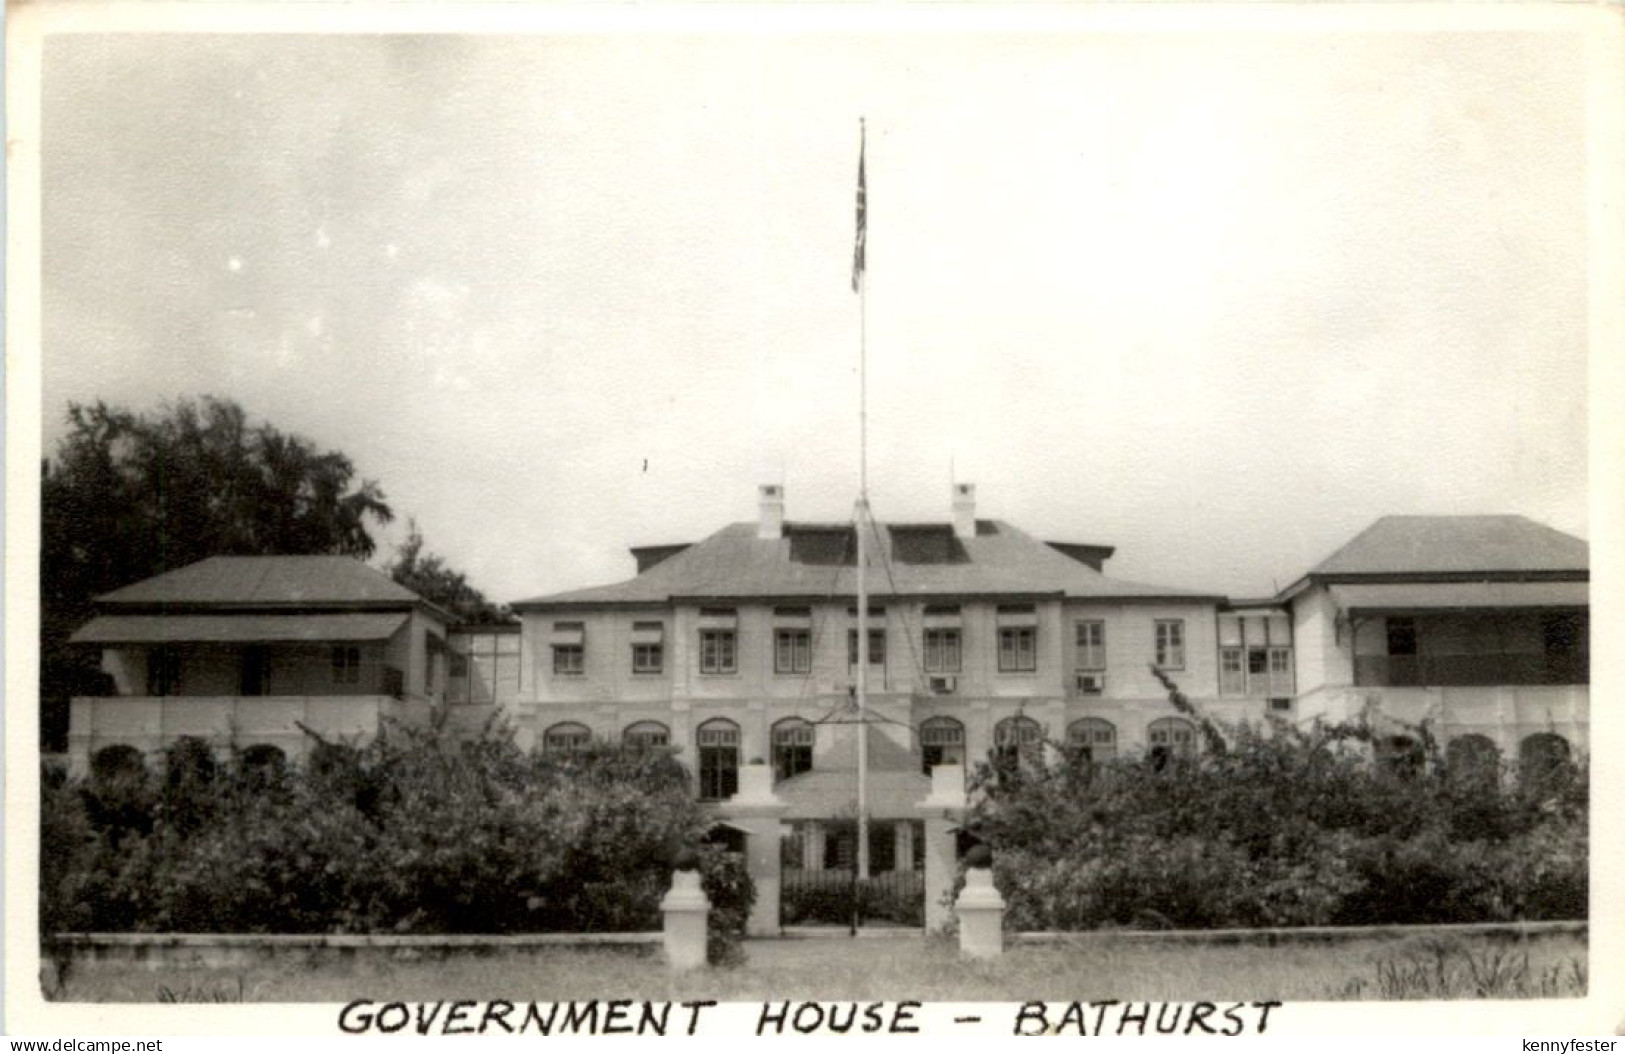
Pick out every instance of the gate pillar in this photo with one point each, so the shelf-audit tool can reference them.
(942, 811)
(758, 812)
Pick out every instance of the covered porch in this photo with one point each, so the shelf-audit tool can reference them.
(1466, 635)
(241, 680)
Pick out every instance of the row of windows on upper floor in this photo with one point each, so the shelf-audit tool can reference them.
(1248, 663)
(941, 647)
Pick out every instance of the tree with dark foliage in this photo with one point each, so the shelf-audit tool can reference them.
(429, 576)
(132, 495)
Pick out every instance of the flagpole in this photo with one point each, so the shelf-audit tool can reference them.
(859, 267)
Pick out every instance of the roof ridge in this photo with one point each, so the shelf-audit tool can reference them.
(1335, 553)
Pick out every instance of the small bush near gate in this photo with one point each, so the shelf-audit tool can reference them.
(726, 882)
(1278, 827)
(415, 833)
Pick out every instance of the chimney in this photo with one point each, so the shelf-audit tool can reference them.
(770, 522)
(964, 510)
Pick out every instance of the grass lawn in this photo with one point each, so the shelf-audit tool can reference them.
(1551, 966)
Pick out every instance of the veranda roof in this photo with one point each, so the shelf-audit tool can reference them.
(1449, 596)
(241, 629)
(825, 793)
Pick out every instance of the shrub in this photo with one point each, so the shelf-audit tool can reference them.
(414, 833)
(68, 845)
(727, 883)
(1278, 827)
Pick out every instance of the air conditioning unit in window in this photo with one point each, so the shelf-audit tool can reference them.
(941, 685)
(1090, 683)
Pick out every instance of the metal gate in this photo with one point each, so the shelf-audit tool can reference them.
(837, 897)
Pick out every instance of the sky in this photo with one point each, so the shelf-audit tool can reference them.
(1219, 300)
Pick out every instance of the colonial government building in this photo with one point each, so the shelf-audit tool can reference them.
(743, 647)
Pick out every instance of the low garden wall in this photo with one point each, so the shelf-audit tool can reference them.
(162, 951)
(1512, 931)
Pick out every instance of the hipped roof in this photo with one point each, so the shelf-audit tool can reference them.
(812, 560)
(823, 793)
(1422, 545)
(247, 581)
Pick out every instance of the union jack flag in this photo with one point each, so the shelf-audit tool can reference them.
(863, 217)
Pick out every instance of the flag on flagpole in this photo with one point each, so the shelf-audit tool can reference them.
(863, 218)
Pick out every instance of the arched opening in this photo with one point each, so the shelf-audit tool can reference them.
(336, 767)
(264, 761)
(1170, 740)
(792, 748)
(1398, 756)
(1543, 762)
(1018, 741)
(189, 760)
(1092, 740)
(646, 735)
(566, 739)
(1472, 757)
(730, 838)
(117, 762)
(942, 742)
(718, 742)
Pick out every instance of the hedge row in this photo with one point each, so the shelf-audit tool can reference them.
(414, 833)
(1280, 828)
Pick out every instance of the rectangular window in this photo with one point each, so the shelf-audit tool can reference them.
(719, 763)
(429, 652)
(942, 742)
(1091, 645)
(792, 651)
(569, 641)
(792, 749)
(1232, 675)
(648, 658)
(254, 676)
(484, 665)
(1280, 680)
(877, 647)
(569, 660)
(346, 665)
(164, 672)
(1401, 636)
(1018, 649)
(648, 647)
(1171, 644)
(717, 651)
(942, 650)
